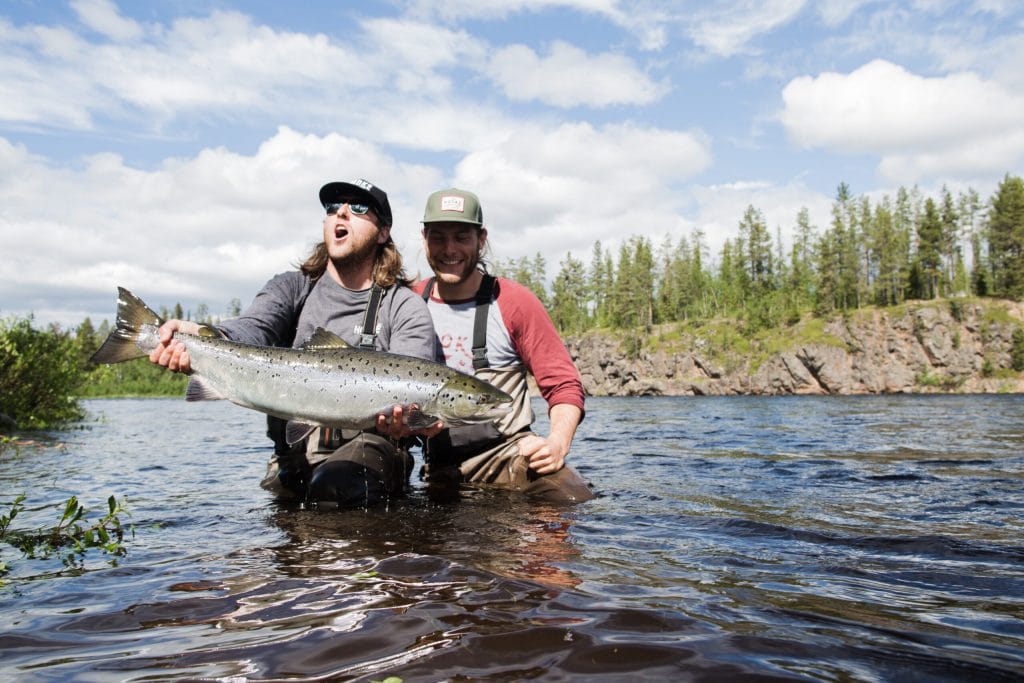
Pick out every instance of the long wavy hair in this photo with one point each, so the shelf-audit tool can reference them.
(388, 268)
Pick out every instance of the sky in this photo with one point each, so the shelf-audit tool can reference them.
(176, 148)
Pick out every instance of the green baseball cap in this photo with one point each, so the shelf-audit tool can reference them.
(453, 205)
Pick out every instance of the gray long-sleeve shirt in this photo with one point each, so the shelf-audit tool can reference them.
(282, 314)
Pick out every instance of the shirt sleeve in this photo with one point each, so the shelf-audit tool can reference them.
(411, 328)
(539, 345)
(271, 317)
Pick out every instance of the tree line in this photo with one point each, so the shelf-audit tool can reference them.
(872, 253)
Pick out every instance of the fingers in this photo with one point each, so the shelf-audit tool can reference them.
(180, 361)
(543, 457)
(170, 353)
(394, 425)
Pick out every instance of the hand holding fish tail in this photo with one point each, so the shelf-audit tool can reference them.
(171, 353)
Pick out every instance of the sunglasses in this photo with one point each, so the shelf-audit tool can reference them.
(357, 209)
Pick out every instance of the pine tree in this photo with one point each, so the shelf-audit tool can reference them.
(1006, 238)
(929, 250)
(801, 269)
(969, 208)
(756, 260)
(569, 297)
(599, 286)
(949, 219)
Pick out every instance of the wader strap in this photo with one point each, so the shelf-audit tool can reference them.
(368, 335)
(428, 289)
(483, 302)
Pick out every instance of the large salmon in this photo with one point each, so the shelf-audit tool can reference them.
(325, 383)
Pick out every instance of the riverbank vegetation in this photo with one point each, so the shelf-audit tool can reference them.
(876, 252)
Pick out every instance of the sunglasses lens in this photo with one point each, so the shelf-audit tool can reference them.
(357, 209)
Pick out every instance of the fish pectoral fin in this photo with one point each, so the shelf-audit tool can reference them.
(199, 390)
(295, 432)
(322, 339)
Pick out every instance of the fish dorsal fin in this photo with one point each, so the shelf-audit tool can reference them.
(322, 339)
(295, 432)
(198, 390)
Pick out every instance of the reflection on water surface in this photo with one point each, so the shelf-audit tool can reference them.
(867, 538)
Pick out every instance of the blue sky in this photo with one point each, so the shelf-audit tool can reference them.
(176, 148)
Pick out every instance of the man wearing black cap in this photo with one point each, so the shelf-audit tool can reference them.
(354, 285)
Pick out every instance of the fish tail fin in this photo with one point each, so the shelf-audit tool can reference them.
(132, 315)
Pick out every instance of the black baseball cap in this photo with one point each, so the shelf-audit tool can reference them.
(358, 190)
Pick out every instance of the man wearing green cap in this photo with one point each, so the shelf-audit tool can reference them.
(497, 329)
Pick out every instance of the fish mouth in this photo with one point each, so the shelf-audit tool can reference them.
(488, 414)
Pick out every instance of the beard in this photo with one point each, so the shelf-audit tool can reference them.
(357, 257)
(445, 274)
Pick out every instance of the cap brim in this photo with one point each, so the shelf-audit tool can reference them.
(450, 219)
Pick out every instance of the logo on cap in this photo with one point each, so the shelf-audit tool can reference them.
(453, 203)
(366, 185)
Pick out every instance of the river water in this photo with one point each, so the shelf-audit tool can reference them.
(839, 539)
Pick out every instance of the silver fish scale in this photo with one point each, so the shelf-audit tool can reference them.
(335, 388)
(321, 384)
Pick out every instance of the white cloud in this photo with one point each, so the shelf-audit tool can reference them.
(920, 126)
(727, 29)
(835, 12)
(197, 230)
(721, 206)
(995, 56)
(554, 190)
(500, 9)
(645, 20)
(413, 56)
(102, 16)
(223, 62)
(567, 76)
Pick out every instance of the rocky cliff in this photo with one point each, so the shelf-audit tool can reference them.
(961, 345)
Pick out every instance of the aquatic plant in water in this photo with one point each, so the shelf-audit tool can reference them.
(71, 537)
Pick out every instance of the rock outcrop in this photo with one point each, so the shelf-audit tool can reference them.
(920, 347)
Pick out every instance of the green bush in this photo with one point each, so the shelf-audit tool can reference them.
(136, 377)
(40, 376)
(1017, 350)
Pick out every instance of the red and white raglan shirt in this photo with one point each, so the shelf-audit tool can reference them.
(520, 338)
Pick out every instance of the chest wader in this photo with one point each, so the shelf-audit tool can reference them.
(292, 465)
(458, 445)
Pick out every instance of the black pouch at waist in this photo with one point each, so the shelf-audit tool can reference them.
(459, 443)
